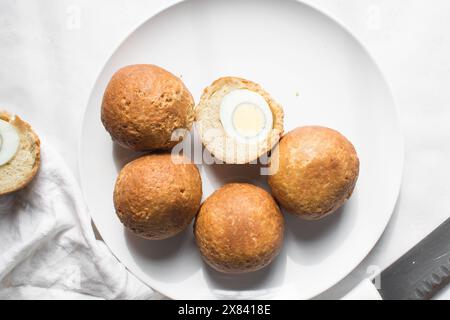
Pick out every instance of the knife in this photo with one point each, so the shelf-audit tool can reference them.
(422, 271)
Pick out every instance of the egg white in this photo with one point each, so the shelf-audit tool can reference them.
(9, 142)
(233, 100)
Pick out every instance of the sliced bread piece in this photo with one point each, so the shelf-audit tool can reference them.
(213, 132)
(22, 168)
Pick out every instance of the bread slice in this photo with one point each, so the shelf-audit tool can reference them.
(212, 133)
(20, 170)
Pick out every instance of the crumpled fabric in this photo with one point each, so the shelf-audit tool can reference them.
(48, 249)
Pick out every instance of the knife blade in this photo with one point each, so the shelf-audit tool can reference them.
(422, 271)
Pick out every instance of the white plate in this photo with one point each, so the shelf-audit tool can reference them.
(321, 75)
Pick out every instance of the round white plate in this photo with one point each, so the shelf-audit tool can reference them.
(321, 75)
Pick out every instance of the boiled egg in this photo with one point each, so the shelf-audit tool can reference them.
(9, 142)
(246, 116)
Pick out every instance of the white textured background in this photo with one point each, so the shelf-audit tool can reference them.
(52, 50)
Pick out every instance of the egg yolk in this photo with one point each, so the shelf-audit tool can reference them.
(248, 119)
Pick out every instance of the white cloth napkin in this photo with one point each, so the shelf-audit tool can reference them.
(47, 246)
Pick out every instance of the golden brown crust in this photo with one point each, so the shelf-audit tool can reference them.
(26, 132)
(317, 171)
(143, 105)
(239, 228)
(157, 198)
(201, 112)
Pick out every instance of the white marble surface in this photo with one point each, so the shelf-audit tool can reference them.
(52, 50)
